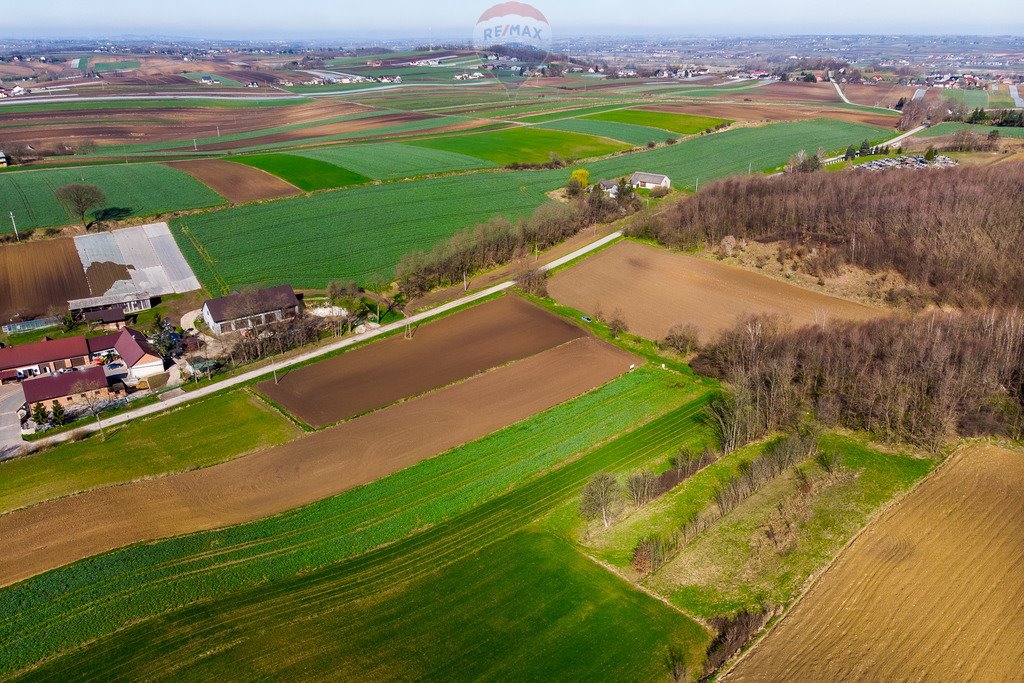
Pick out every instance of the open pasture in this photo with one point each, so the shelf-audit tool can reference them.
(626, 132)
(524, 145)
(130, 190)
(238, 183)
(101, 67)
(302, 172)
(304, 470)
(654, 289)
(393, 161)
(683, 124)
(929, 591)
(36, 277)
(456, 503)
(971, 99)
(439, 353)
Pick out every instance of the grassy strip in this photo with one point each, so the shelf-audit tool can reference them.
(467, 498)
(732, 566)
(627, 132)
(950, 127)
(524, 145)
(200, 434)
(683, 124)
(392, 161)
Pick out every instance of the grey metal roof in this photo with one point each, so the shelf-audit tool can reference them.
(641, 177)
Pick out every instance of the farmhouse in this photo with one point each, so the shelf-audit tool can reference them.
(610, 188)
(247, 310)
(68, 388)
(649, 181)
(40, 358)
(140, 359)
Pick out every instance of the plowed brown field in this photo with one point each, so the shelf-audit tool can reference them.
(311, 468)
(439, 353)
(932, 591)
(881, 95)
(38, 276)
(237, 182)
(655, 289)
(794, 91)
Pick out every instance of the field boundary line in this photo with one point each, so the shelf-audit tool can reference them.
(815, 578)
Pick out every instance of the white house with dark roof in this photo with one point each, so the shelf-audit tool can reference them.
(248, 310)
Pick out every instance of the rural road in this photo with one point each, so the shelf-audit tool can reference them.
(318, 352)
(11, 399)
(1015, 94)
(839, 90)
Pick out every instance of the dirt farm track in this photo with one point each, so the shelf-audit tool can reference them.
(933, 590)
(439, 353)
(655, 289)
(311, 468)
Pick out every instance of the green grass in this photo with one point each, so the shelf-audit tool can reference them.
(626, 132)
(683, 124)
(722, 571)
(348, 547)
(568, 113)
(302, 172)
(391, 161)
(100, 67)
(524, 145)
(143, 189)
(203, 433)
(971, 98)
(525, 608)
(223, 103)
(224, 80)
(950, 127)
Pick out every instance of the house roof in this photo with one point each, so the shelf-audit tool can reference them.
(102, 343)
(641, 177)
(244, 304)
(608, 184)
(132, 346)
(42, 352)
(105, 315)
(63, 384)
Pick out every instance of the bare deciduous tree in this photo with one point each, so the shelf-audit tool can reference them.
(600, 496)
(79, 199)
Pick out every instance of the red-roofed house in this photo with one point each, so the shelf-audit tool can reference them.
(43, 357)
(141, 359)
(68, 387)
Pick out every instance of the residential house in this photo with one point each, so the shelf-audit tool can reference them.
(140, 359)
(610, 187)
(248, 310)
(42, 357)
(68, 388)
(649, 181)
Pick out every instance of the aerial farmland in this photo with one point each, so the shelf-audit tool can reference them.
(516, 357)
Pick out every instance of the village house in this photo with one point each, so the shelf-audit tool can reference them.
(610, 188)
(248, 310)
(140, 359)
(68, 388)
(42, 357)
(649, 181)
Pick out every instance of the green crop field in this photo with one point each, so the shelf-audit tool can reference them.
(359, 232)
(140, 189)
(951, 127)
(528, 607)
(971, 98)
(684, 124)
(223, 103)
(362, 231)
(524, 145)
(203, 433)
(568, 113)
(224, 80)
(390, 161)
(115, 66)
(302, 172)
(451, 505)
(626, 132)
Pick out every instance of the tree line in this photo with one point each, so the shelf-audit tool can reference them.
(499, 241)
(921, 379)
(953, 233)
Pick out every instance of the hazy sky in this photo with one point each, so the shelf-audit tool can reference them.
(453, 19)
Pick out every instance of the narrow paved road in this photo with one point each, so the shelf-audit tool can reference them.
(1017, 99)
(11, 399)
(323, 350)
(839, 90)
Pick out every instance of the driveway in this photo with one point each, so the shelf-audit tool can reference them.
(11, 399)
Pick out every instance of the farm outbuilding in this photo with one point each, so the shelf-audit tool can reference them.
(248, 310)
(68, 388)
(650, 181)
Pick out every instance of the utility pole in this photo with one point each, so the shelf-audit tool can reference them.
(194, 145)
(16, 235)
(696, 185)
